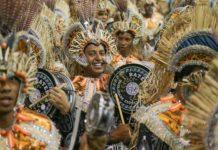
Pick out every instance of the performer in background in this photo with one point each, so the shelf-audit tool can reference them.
(105, 14)
(126, 33)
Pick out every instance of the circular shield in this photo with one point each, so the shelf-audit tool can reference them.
(125, 83)
(69, 89)
(45, 82)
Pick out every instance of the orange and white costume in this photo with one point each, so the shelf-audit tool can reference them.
(118, 60)
(31, 130)
(153, 24)
(86, 87)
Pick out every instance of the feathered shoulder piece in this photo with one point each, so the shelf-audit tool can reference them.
(86, 9)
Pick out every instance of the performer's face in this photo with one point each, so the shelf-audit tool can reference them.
(8, 95)
(190, 2)
(124, 43)
(103, 15)
(96, 55)
(148, 10)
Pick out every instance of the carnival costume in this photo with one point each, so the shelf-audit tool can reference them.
(186, 60)
(201, 120)
(77, 37)
(45, 34)
(107, 7)
(75, 47)
(30, 130)
(153, 24)
(136, 29)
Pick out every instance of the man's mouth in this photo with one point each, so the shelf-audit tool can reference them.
(5, 100)
(98, 64)
(123, 47)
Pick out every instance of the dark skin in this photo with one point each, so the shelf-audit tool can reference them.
(148, 10)
(190, 2)
(121, 133)
(95, 55)
(8, 98)
(125, 43)
(145, 9)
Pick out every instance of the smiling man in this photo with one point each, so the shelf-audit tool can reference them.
(90, 51)
(96, 55)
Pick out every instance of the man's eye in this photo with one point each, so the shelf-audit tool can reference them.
(92, 53)
(102, 53)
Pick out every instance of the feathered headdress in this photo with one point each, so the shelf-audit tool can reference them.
(77, 38)
(31, 45)
(124, 26)
(190, 65)
(103, 5)
(62, 9)
(49, 3)
(84, 32)
(195, 54)
(121, 5)
(201, 119)
(17, 15)
(43, 28)
(86, 9)
(17, 64)
(131, 21)
(192, 26)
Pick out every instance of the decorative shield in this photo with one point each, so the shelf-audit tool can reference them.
(124, 83)
(45, 82)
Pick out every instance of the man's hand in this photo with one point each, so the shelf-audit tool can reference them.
(84, 142)
(121, 133)
(59, 99)
(92, 142)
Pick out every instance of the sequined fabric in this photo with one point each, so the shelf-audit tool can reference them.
(30, 131)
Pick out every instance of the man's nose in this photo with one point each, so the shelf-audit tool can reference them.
(123, 42)
(105, 17)
(4, 87)
(98, 56)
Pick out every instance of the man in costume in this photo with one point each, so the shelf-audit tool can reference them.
(202, 112)
(188, 63)
(105, 12)
(126, 33)
(21, 128)
(153, 20)
(92, 52)
(39, 41)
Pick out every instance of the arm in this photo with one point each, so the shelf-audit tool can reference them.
(121, 133)
(59, 99)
